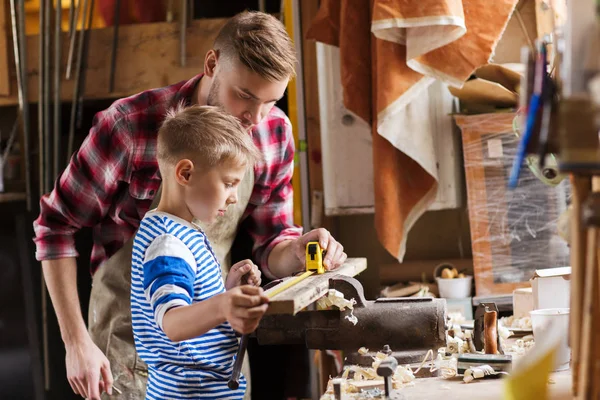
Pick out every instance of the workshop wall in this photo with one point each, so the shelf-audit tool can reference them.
(437, 235)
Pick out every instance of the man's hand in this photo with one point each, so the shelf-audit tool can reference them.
(335, 256)
(85, 365)
(243, 272)
(244, 307)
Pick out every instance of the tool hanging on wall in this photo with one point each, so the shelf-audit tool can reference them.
(115, 43)
(17, 12)
(71, 17)
(182, 32)
(41, 97)
(78, 81)
(73, 35)
(83, 68)
(57, 102)
(47, 133)
(313, 264)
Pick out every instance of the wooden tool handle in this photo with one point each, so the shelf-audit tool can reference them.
(234, 381)
(490, 332)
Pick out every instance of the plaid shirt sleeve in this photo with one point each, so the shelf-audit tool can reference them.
(83, 193)
(273, 222)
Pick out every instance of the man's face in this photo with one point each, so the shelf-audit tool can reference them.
(243, 93)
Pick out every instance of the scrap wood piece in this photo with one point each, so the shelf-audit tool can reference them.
(306, 292)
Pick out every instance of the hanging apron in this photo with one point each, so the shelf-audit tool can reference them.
(109, 319)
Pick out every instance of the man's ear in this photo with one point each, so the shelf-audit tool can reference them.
(183, 171)
(210, 62)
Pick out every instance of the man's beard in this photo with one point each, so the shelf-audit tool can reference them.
(213, 94)
(213, 100)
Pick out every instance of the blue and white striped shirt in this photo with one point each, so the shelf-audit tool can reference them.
(173, 265)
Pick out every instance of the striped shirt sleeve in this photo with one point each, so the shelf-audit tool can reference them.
(169, 275)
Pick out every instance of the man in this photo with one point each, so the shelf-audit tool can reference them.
(113, 178)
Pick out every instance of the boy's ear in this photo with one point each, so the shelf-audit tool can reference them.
(183, 171)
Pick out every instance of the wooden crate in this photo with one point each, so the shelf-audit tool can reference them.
(513, 232)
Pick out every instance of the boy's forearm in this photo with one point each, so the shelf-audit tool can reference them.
(188, 322)
(61, 279)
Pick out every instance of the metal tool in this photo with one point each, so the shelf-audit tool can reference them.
(77, 85)
(182, 32)
(234, 381)
(414, 325)
(73, 35)
(500, 362)
(71, 17)
(41, 97)
(83, 68)
(314, 264)
(387, 369)
(46, 107)
(115, 43)
(57, 100)
(20, 55)
(337, 389)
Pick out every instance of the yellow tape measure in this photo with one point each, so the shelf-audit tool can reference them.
(314, 264)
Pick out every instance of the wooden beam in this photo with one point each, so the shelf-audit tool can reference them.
(148, 57)
(5, 57)
(306, 292)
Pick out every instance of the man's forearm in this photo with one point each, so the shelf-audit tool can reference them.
(283, 260)
(61, 280)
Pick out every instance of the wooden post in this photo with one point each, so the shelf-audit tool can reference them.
(4, 51)
(308, 9)
(581, 189)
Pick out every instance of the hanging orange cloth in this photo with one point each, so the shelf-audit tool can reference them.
(391, 51)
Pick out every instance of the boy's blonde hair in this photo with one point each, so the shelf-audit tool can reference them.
(206, 135)
(261, 43)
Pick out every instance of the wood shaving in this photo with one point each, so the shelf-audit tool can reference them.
(516, 323)
(335, 298)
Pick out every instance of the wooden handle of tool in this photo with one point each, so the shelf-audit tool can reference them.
(234, 381)
(490, 332)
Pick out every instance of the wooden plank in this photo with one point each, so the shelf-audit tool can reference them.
(306, 292)
(308, 10)
(148, 57)
(5, 58)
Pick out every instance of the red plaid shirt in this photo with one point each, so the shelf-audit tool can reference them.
(110, 182)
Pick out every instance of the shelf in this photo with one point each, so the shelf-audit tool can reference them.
(12, 197)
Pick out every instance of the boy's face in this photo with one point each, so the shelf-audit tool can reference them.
(243, 93)
(210, 192)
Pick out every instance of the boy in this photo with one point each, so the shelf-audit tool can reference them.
(182, 311)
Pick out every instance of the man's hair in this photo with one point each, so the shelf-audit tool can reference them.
(206, 135)
(260, 42)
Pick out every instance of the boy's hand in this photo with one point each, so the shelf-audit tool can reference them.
(243, 272)
(244, 307)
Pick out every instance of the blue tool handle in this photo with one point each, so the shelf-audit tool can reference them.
(534, 105)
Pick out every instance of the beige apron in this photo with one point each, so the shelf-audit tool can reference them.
(109, 319)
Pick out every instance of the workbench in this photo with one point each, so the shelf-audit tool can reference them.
(482, 389)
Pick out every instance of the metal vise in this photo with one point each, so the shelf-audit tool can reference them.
(410, 326)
